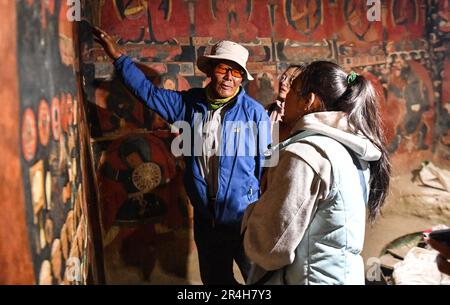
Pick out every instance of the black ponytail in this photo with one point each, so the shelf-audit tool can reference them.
(356, 96)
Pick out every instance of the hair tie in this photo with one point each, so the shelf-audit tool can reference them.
(352, 77)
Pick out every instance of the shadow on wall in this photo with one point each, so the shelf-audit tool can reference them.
(145, 213)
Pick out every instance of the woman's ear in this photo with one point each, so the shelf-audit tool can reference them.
(313, 103)
(309, 101)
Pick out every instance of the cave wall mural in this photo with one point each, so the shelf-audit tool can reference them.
(98, 185)
(404, 54)
(54, 145)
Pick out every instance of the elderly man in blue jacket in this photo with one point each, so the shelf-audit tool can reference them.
(228, 131)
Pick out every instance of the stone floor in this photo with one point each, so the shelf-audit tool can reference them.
(118, 272)
(410, 208)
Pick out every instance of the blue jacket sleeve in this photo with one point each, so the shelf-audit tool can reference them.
(167, 103)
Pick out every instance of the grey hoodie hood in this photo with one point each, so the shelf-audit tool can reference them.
(334, 124)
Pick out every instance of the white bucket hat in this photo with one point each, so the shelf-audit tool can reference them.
(228, 50)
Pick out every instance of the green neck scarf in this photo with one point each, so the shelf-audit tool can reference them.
(216, 103)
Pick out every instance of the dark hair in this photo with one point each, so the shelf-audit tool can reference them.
(358, 99)
(298, 67)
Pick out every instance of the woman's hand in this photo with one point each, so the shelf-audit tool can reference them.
(107, 43)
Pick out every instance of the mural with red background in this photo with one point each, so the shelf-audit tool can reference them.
(403, 54)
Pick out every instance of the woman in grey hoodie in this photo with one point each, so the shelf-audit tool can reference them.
(308, 226)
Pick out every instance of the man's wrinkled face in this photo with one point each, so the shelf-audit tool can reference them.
(226, 77)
